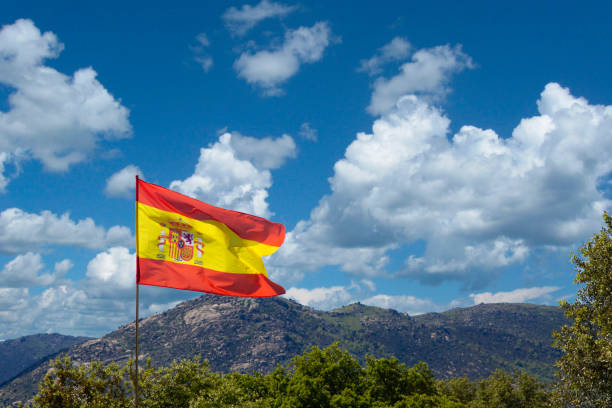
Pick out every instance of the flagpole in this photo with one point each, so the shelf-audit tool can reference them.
(137, 299)
(136, 360)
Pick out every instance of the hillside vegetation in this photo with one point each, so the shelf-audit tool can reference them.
(318, 378)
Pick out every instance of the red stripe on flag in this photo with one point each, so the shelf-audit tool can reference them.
(244, 225)
(189, 277)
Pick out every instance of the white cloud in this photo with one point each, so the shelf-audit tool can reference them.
(309, 247)
(480, 203)
(52, 117)
(370, 285)
(203, 40)
(270, 68)
(427, 74)
(21, 231)
(23, 271)
(115, 267)
(122, 183)
(239, 21)
(321, 298)
(12, 298)
(308, 132)
(234, 172)
(515, 296)
(327, 298)
(266, 153)
(496, 253)
(205, 60)
(62, 267)
(398, 49)
(87, 307)
(74, 310)
(92, 306)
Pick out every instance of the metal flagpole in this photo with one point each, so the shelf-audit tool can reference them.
(137, 286)
(136, 360)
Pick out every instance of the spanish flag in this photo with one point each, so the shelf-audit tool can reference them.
(184, 243)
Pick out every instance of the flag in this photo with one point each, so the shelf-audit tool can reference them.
(184, 243)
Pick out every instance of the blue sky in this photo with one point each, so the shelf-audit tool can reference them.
(421, 156)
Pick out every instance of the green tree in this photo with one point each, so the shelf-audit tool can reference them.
(460, 389)
(88, 385)
(235, 390)
(389, 381)
(499, 390)
(585, 368)
(427, 401)
(502, 390)
(325, 378)
(176, 386)
(94, 385)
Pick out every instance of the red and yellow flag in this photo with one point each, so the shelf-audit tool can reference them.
(184, 243)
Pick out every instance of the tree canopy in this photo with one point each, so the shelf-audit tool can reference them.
(329, 377)
(585, 369)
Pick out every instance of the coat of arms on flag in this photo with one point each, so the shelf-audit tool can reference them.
(178, 242)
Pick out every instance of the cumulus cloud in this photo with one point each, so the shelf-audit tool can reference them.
(12, 301)
(266, 153)
(75, 309)
(427, 74)
(398, 49)
(62, 267)
(515, 296)
(122, 183)
(115, 267)
(299, 254)
(240, 21)
(234, 172)
(480, 203)
(92, 306)
(327, 298)
(321, 298)
(69, 309)
(65, 306)
(52, 117)
(20, 231)
(268, 69)
(496, 253)
(23, 271)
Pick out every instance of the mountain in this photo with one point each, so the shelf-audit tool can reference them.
(256, 334)
(17, 355)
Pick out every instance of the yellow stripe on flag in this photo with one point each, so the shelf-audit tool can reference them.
(166, 236)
